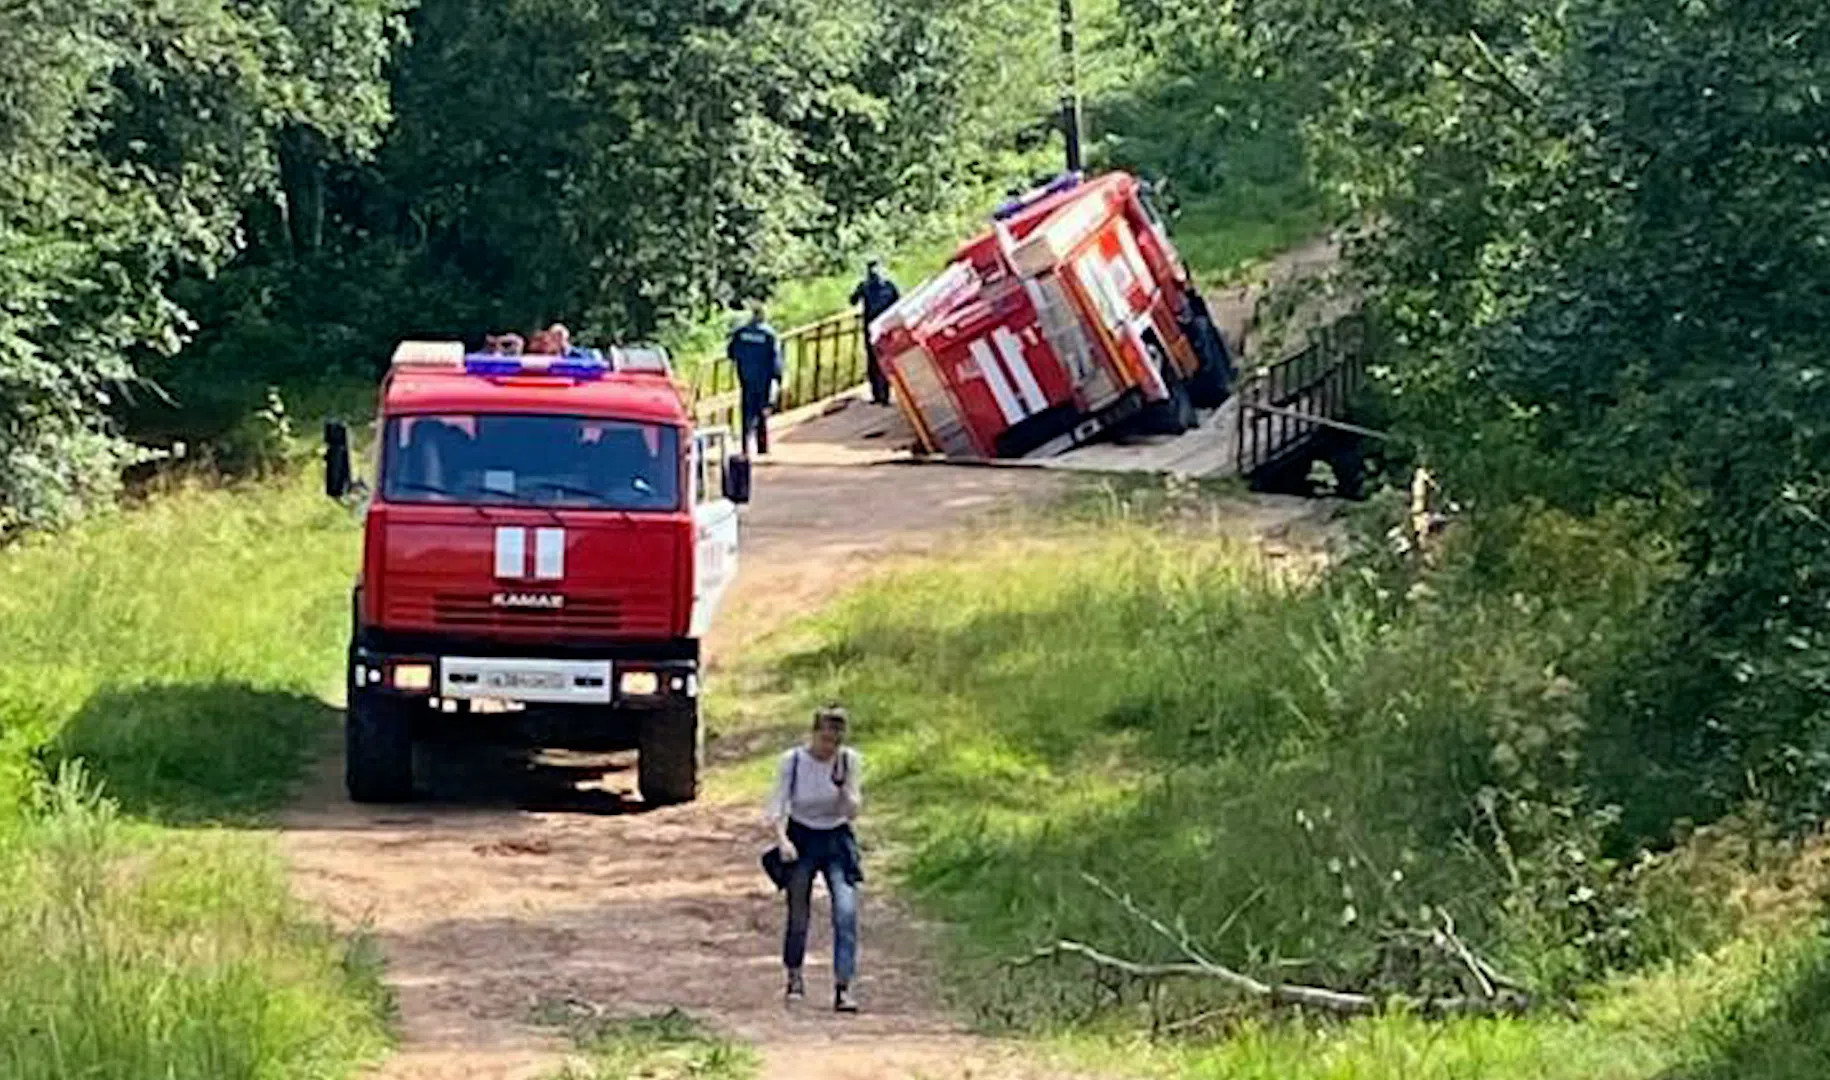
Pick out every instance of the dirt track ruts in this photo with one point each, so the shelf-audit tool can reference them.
(518, 887)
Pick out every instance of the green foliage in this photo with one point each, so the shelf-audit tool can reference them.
(650, 163)
(137, 954)
(179, 647)
(134, 135)
(1593, 234)
(667, 1046)
(1224, 142)
(1303, 772)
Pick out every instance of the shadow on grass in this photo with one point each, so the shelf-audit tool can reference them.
(191, 753)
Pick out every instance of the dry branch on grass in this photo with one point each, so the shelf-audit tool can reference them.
(1498, 994)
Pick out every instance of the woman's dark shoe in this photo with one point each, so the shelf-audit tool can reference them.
(842, 1001)
(797, 987)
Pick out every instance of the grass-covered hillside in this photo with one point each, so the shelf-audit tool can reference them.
(1303, 773)
(161, 676)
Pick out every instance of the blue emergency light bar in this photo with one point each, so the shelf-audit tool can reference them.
(492, 366)
(1017, 205)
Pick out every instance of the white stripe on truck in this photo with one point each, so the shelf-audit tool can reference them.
(1012, 351)
(511, 552)
(994, 377)
(549, 554)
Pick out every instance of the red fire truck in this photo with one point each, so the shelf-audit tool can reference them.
(1071, 316)
(546, 541)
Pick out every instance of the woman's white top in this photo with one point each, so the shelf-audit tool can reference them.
(819, 800)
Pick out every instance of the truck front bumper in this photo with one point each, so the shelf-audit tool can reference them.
(524, 680)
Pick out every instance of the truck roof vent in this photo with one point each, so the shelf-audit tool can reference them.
(429, 354)
(652, 359)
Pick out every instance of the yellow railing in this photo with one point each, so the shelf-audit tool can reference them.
(820, 360)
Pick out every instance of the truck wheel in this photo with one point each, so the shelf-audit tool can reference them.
(667, 761)
(377, 750)
(1213, 381)
(1175, 414)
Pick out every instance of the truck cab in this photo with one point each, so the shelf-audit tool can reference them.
(545, 543)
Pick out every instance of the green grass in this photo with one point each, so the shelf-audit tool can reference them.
(1758, 1009)
(1273, 761)
(1220, 235)
(670, 1046)
(1145, 707)
(164, 664)
(137, 953)
(179, 648)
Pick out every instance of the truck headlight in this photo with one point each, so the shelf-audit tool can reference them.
(415, 678)
(639, 683)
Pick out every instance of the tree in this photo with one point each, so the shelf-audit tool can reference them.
(1598, 236)
(135, 135)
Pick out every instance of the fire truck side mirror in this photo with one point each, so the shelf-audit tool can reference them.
(737, 479)
(337, 478)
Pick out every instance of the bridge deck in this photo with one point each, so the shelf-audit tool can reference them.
(852, 431)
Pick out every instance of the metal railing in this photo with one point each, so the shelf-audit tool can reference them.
(820, 360)
(1283, 405)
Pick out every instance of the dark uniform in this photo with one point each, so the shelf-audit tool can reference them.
(757, 354)
(877, 294)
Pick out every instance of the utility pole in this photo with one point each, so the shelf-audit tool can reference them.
(1070, 89)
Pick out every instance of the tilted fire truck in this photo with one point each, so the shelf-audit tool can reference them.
(546, 540)
(1072, 316)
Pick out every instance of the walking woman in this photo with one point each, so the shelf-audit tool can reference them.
(819, 790)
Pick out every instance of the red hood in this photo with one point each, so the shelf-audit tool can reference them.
(567, 576)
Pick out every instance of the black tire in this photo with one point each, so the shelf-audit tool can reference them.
(667, 759)
(1175, 414)
(377, 750)
(1212, 383)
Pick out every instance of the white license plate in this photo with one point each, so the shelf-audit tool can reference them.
(583, 682)
(525, 680)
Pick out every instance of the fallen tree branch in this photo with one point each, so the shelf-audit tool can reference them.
(1336, 1002)
(1199, 966)
(1491, 981)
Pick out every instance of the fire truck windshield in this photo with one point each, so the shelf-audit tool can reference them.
(530, 460)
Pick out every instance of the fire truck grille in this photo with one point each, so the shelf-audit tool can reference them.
(583, 617)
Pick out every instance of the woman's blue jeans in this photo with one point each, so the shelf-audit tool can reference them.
(844, 917)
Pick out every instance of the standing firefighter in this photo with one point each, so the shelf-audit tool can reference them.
(756, 353)
(876, 294)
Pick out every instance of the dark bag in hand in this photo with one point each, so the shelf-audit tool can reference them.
(776, 867)
(772, 862)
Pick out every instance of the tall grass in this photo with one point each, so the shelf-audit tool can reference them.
(163, 666)
(134, 953)
(1285, 764)
(179, 648)
(1172, 715)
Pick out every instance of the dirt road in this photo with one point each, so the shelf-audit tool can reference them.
(519, 891)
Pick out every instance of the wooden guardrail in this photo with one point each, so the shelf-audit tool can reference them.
(1284, 405)
(820, 360)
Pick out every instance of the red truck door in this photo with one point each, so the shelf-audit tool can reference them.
(1112, 294)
